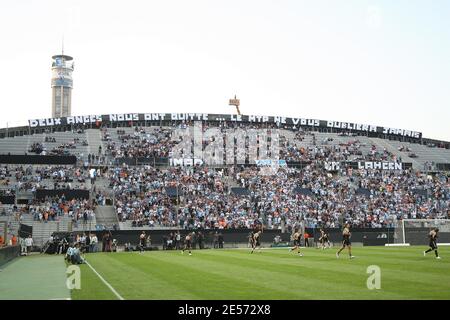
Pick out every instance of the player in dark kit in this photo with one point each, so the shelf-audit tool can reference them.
(324, 239)
(433, 235)
(250, 239)
(346, 234)
(255, 241)
(188, 243)
(296, 237)
(142, 238)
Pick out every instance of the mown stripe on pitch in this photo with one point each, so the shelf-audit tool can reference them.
(91, 287)
(220, 281)
(134, 275)
(287, 282)
(110, 287)
(390, 275)
(294, 269)
(353, 266)
(173, 277)
(230, 255)
(433, 266)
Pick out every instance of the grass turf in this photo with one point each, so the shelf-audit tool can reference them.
(34, 277)
(270, 274)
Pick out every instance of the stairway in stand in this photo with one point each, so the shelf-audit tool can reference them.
(106, 216)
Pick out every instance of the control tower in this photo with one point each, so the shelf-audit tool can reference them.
(62, 84)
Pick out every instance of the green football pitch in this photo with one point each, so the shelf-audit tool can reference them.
(236, 274)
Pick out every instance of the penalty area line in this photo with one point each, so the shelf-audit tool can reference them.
(105, 282)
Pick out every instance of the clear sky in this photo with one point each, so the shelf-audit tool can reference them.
(384, 63)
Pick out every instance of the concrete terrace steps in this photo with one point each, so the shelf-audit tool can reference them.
(43, 230)
(16, 145)
(102, 183)
(94, 139)
(381, 143)
(425, 153)
(21, 144)
(106, 216)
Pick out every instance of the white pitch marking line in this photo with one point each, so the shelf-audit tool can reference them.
(105, 282)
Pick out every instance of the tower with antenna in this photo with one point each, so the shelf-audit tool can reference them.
(62, 84)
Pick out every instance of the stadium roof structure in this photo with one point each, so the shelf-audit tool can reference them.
(144, 119)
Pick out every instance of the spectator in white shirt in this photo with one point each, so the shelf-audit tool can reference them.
(93, 244)
(29, 243)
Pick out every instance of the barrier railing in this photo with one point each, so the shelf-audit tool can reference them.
(8, 253)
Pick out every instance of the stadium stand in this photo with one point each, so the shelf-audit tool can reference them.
(158, 195)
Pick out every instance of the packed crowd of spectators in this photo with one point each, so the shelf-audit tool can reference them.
(178, 197)
(334, 199)
(52, 209)
(203, 197)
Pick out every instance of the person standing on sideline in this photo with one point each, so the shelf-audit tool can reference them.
(93, 244)
(306, 237)
(13, 240)
(23, 247)
(200, 240)
(142, 239)
(177, 240)
(194, 240)
(220, 239)
(148, 241)
(250, 240)
(216, 240)
(87, 243)
(29, 244)
(164, 239)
